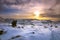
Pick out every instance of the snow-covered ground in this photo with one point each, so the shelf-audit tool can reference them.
(38, 31)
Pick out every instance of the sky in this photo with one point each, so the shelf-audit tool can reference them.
(25, 9)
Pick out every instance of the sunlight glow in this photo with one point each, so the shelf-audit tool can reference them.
(37, 14)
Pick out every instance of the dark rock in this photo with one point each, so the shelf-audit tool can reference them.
(45, 27)
(22, 27)
(1, 32)
(16, 37)
(18, 27)
(14, 23)
(33, 32)
(51, 26)
(56, 26)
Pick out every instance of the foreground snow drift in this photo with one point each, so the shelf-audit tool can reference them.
(30, 32)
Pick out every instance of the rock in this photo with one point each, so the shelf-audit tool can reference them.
(1, 31)
(13, 38)
(14, 23)
(56, 26)
(16, 37)
(33, 32)
(51, 26)
(22, 27)
(18, 27)
(45, 27)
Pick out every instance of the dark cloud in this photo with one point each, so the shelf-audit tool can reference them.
(6, 4)
(51, 15)
(57, 1)
(54, 13)
(14, 2)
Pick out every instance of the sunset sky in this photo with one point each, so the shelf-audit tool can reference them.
(22, 9)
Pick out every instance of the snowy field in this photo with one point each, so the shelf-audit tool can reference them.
(35, 31)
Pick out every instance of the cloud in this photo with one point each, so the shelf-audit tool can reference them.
(25, 6)
(57, 1)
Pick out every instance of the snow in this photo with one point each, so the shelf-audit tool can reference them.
(30, 32)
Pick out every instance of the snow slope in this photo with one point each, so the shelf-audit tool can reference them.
(30, 32)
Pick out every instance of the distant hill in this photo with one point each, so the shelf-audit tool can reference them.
(2, 19)
(9, 20)
(5, 20)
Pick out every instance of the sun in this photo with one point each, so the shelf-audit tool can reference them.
(37, 14)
